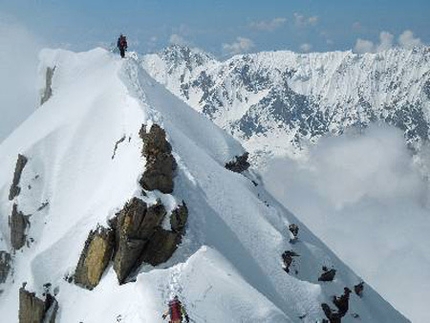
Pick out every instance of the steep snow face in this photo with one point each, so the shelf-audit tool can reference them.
(79, 173)
(274, 102)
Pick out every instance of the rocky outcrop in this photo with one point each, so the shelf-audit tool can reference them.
(160, 163)
(359, 288)
(239, 164)
(332, 316)
(161, 246)
(134, 227)
(5, 265)
(294, 229)
(288, 257)
(95, 257)
(178, 218)
(18, 224)
(327, 275)
(19, 167)
(47, 93)
(342, 304)
(164, 242)
(35, 310)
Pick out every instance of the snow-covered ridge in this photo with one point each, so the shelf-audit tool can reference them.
(274, 102)
(79, 174)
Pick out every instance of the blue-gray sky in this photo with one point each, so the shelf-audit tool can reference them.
(225, 27)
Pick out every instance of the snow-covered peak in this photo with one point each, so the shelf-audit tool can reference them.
(240, 258)
(276, 102)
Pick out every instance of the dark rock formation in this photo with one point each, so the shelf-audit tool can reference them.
(134, 227)
(178, 219)
(332, 316)
(116, 146)
(358, 289)
(19, 167)
(294, 229)
(48, 85)
(327, 275)
(161, 246)
(342, 302)
(5, 265)
(35, 310)
(95, 257)
(18, 224)
(164, 243)
(160, 163)
(239, 164)
(287, 257)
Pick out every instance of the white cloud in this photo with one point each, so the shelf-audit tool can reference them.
(386, 41)
(364, 46)
(305, 47)
(241, 45)
(268, 25)
(303, 21)
(177, 40)
(365, 198)
(407, 40)
(18, 76)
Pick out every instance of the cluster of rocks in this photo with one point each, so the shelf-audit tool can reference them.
(18, 222)
(239, 164)
(341, 303)
(136, 235)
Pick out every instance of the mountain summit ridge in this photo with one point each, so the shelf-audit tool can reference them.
(242, 256)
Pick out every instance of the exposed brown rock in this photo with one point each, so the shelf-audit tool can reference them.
(48, 85)
(161, 246)
(5, 265)
(31, 308)
(18, 224)
(333, 317)
(287, 257)
(95, 257)
(239, 164)
(134, 227)
(342, 302)
(294, 229)
(160, 163)
(327, 275)
(359, 288)
(19, 167)
(179, 217)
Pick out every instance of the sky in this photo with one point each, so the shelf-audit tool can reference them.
(223, 27)
(365, 197)
(220, 27)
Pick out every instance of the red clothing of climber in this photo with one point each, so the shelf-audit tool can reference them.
(176, 311)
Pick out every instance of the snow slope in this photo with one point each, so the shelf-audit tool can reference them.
(228, 267)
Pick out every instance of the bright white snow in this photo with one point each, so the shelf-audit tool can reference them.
(228, 267)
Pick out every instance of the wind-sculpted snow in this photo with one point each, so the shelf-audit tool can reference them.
(275, 102)
(80, 173)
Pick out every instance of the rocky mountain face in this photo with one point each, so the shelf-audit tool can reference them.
(276, 102)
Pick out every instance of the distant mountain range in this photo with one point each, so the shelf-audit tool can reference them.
(276, 102)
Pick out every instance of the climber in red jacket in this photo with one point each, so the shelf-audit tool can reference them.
(176, 311)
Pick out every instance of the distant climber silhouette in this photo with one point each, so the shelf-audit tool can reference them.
(122, 45)
(176, 311)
